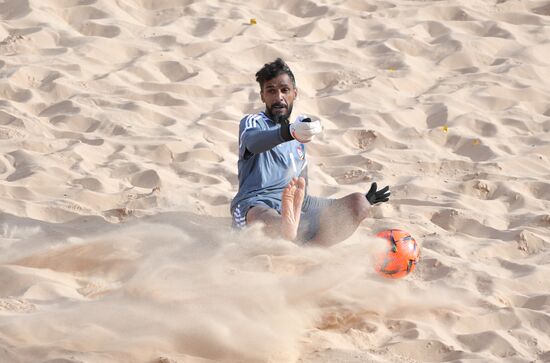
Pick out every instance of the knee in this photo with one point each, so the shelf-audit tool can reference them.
(359, 206)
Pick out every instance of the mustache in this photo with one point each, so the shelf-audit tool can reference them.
(278, 104)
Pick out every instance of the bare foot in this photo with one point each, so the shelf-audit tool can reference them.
(291, 207)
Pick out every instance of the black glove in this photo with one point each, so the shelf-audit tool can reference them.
(374, 196)
(285, 130)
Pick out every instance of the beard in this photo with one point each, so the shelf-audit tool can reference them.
(278, 117)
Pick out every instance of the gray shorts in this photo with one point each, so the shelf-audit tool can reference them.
(310, 219)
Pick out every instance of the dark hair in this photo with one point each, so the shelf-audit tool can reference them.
(272, 70)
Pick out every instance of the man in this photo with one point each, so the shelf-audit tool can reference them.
(273, 171)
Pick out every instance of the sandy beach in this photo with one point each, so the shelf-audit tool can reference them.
(118, 160)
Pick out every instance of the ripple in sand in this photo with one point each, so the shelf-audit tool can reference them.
(90, 28)
(146, 179)
(76, 123)
(72, 3)
(14, 9)
(542, 10)
(75, 15)
(17, 305)
(15, 94)
(175, 71)
(89, 183)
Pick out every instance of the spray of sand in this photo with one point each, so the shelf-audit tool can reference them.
(188, 293)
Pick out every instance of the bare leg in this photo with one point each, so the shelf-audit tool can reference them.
(291, 208)
(286, 224)
(341, 219)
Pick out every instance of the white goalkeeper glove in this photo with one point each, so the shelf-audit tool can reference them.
(303, 129)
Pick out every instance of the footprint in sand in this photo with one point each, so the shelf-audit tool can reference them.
(17, 305)
(95, 289)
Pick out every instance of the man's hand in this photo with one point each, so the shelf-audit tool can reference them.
(374, 196)
(303, 129)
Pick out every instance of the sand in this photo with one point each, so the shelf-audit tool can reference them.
(118, 151)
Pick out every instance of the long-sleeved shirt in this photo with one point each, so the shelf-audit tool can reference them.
(266, 163)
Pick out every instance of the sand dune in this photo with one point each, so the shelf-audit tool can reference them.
(118, 140)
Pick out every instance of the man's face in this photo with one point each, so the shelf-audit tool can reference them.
(278, 95)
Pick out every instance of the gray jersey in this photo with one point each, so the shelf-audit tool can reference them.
(266, 165)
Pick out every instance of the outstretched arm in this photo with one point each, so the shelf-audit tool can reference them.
(256, 140)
